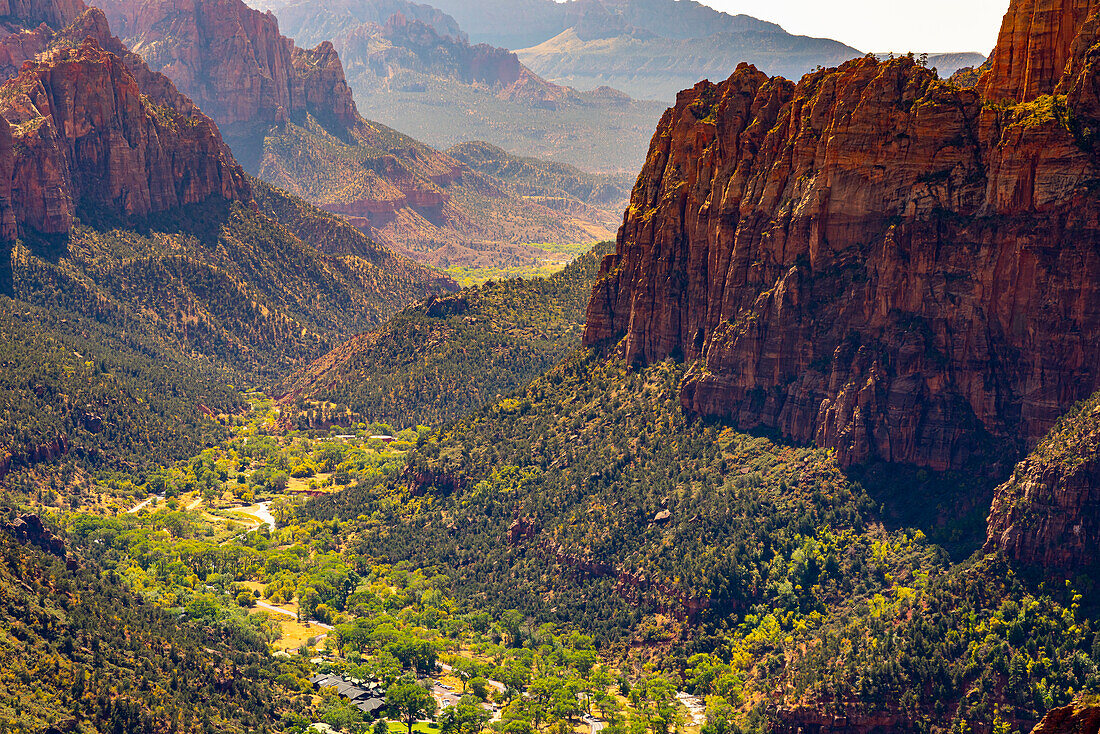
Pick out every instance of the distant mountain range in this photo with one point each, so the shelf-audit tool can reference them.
(289, 116)
(651, 67)
(650, 49)
(523, 23)
(414, 69)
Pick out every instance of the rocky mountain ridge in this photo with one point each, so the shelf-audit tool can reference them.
(289, 115)
(82, 133)
(872, 259)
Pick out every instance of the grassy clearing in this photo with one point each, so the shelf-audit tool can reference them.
(467, 277)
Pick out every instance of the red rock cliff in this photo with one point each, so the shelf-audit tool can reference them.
(232, 60)
(83, 134)
(30, 13)
(872, 259)
(1078, 718)
(1034, 48)
(1048, 513)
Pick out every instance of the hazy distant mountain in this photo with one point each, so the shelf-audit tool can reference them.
(650, 49)
(524, 23)
(651, 67)
(412, 68)
(310, 23)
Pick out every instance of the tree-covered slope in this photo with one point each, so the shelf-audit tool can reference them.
(446, 357)
(759, 571)
(422, 201)
(82, 653)
(552, 183)
(120, 338)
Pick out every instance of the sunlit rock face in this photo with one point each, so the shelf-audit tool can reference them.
(873, 259)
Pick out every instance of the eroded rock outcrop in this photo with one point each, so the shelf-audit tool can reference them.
(1048, 512)
(85, 135)
(873, 259)
(233, 62)
(1077, 718)
(30, 530)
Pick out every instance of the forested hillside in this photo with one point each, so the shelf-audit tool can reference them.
(82, 653)
(760, 571)
(449, 356)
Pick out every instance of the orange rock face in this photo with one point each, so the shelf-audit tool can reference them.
(1074, 719)
(1034, 48)
(85, 136)
(873, 259)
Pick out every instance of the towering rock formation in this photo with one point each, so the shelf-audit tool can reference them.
(85, 135)
(234, 63)
(1035, 46)
(873, 259)
(92, 125)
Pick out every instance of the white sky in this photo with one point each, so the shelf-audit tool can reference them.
(934, 26)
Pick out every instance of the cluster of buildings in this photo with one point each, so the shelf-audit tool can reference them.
(367, 696)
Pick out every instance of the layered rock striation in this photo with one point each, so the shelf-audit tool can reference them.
(873, 259)
(234, 63)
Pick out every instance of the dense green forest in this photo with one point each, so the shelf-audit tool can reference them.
(759, 572)
(225, 588)
(118, 339)
(441, 359)
(83, 653)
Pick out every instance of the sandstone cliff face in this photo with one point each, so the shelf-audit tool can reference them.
(84, 135)
(1034, 47)
(1078, 718)
(29, 13)
(233, 62)
(873, 259)
(1048, 513)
